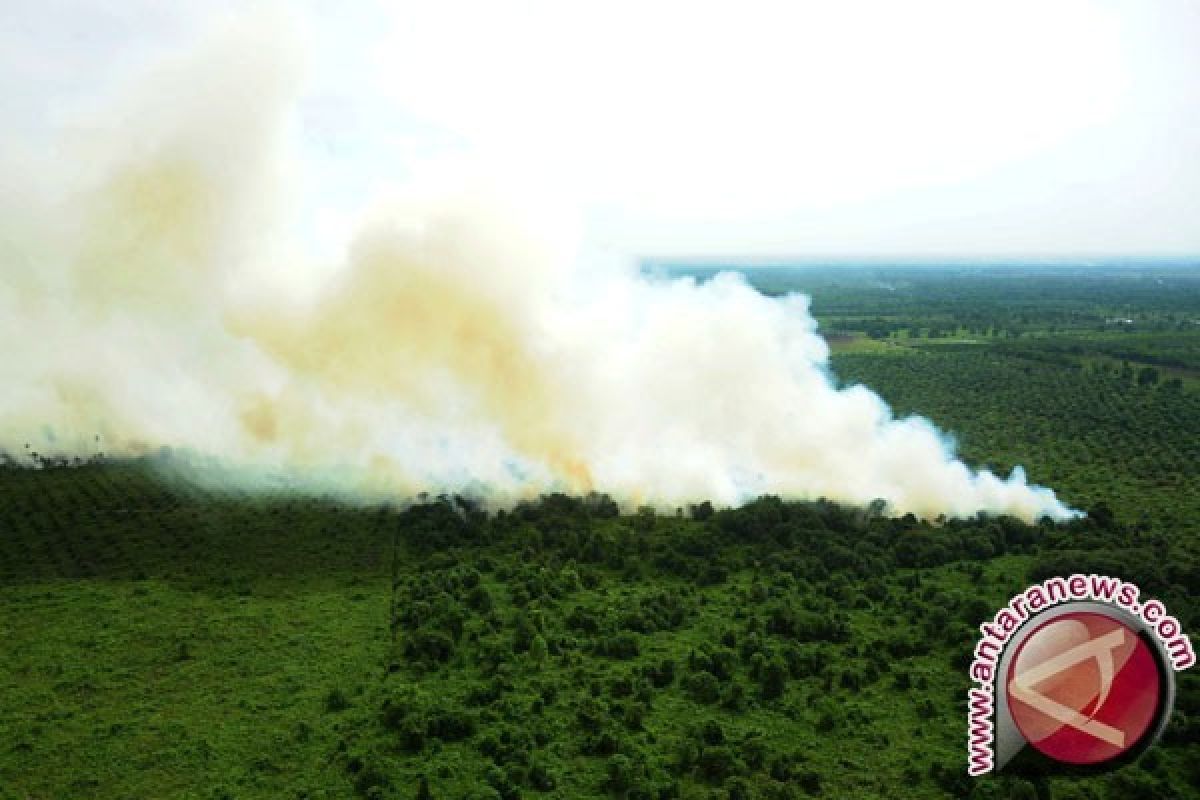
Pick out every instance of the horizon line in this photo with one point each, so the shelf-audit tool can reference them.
(870, 259)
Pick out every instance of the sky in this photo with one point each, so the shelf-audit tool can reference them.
(390, 248)
(923, 128)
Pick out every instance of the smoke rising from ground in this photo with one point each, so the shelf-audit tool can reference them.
(144, 302)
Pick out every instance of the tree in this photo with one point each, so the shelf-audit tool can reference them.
(703, 687)
(538, 649)
(774, 679)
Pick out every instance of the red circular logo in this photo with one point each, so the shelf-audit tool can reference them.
(1083, 688)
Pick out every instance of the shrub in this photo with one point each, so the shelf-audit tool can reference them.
(336, 701)
(622, 645)
(703, 687)
(774, 679)
(369, 780)
(809, 780)
(450, 726)
(540, 777)
(621, 775)
(661, 676)
(718, 763)
(430, 646)
(479, 599)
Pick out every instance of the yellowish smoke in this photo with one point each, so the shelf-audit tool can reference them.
(451, 350)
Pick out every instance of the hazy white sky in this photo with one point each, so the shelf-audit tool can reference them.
(922, 127)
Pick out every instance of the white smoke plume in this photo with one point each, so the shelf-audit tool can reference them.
(453, 350)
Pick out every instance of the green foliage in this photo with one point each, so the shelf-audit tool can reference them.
(164, 638)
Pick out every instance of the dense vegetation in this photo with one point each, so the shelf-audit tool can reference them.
(162, 639)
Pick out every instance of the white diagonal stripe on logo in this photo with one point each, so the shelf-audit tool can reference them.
(1100, 649)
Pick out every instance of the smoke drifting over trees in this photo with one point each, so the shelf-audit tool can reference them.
(143, 299)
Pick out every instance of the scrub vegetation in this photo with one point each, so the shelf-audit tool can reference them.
(163, 639)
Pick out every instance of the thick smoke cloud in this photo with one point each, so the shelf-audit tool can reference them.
(453, 350)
